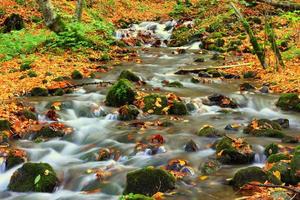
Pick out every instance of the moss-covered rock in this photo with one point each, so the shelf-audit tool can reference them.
(220, 100)
(59, 92)
(129, 75)
(228, 154)
(208, 131)
(155, 103)
(175, 84)
(38, 91)
(49, 132)
(178, 108)
(13, 160)
(265, 128)
(289, 102)
(76, 75)
(271, 149)
(120, 94)
(4, 125)
(295, 166)
(25, 66)
(284, 123)
(34, 177)
(128, 112)
(28, 114)
(277, 157)
(148, 181)
(285, 172)
(210, 167)
(132, 196)
(250, 174)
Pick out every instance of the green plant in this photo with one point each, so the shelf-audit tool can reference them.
(20, 2)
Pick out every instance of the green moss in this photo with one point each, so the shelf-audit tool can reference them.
(120, 94)
(25, 66)
(49, 132)
(76, 75)
(128, 112)
(178, 108)
(33, 177)
(150, 103)
(32, 74)
(4, 125)
(295, 166)
(135, 197)
(30, 115)
(249, 74)
(12, 161)
(285, 172)
(148, 181)
(210, 167)
(209, 132)
(288, 102)
(271, 149)
(277, 157)
(38, 91)
(265, 128)
(176, 84)
(129, 75)
(59, 92)
(250, 174)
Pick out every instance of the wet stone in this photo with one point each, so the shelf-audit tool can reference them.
(191, 146)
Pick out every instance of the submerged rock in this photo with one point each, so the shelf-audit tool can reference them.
(209, 131)
(220, 100)
(247, 87)
(34, 177)
(265, 128)
(234, 151)
(289, 102)
(250, 174)
(210, 167)
(128, 112)
(290, 139)
(191, 146)
(120, 94)
(148, 181)
(129, 75)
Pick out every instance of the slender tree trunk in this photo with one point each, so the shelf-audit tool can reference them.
(52, 20)
(79, 9)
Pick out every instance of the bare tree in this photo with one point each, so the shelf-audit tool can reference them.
(79, 9)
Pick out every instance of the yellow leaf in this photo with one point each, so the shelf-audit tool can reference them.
(220, 153)
(158, 196)
(203, 178)
(277, 174)
(46, 172)
(150, 111)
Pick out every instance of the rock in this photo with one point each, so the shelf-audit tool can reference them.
(175, 84)
(264, 89)
(191, 146)
(178, 108)
(249, 74)
(59, 92)
(195, 80)
(200, 59)
(227, 154)
(13, 22)
(290, 139)
(129, 75)
(265, 128)
(120, 94)
(76, 75)
(155, 103)
(204, 75)
(295, 165)
(30, 115)
(148, 181)
(277, 157)
(271, 149)
(49, 132)
(135, 197)
(220, 100)
(232, 127)
(218, 56)
(246, 87)
(39, 92)
(210, 167)
(13, 160)
(289, 102)
(214, 73)
(209, 131)
(285, 172)
(25, 66)
(284, 123)
(231, 76)
(249, 174)
(128, 112)
(34, 177)
(191, 107)
(4, 125)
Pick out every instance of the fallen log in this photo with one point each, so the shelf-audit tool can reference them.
(197, 70)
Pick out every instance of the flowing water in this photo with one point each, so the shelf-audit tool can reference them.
(74, 154)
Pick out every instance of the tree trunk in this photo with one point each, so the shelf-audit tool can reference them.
(52, 20)
(79, 9)
(286, 6)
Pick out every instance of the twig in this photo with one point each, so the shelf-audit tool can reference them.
(276, 186)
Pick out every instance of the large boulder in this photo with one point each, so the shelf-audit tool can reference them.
(13, 22)
(289, 102)
(120, 94)
(234, 151)
(129, 75)
(34, 177)
(265, 128)
(148, 181)
(250, 174)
